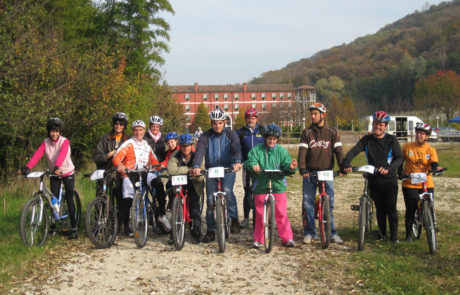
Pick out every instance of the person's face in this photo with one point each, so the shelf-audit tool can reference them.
(271, 141)
(316, 116)
(378, 129)
(218, 126)
(118, 127)
(186, 149)
(251, 122)
(172, 144)
(154, 128)
(54, 134)
(421, 137)
(138, 133)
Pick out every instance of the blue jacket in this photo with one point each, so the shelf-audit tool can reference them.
(249, 139)
(219, 149)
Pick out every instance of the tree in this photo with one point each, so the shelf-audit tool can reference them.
(201, 118)
(439, 91)
(239, 120)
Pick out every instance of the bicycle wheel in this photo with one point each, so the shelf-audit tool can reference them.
(139, 220)
(220, 224)
(325, 222)
(370, 216)
(269, 224)
(64, 222)
(428, 223)
(362, 221)
(101, 223)
(201, 203)
(34, 222)
(178, 223)
(417, 226)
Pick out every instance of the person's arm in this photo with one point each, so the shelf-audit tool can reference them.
(434, 162)
(359, 147)
(236, 147)
(200, 151)
(175, 169)
(397, 156)
(100, 155)
(338, 150)
(303, 152)
(286, 161)
(251, 161)
(37, 156)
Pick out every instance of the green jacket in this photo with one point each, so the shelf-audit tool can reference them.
(177, 166)
(270, 159)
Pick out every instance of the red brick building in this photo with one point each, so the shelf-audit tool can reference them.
(266, 98)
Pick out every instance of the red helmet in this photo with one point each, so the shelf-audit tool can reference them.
(381, 117)
(251, 112)
(318, 106)
(423, 127)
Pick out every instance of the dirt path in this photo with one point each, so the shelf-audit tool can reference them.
(159, 269)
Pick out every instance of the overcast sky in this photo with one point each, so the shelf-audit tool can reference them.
(233, 41)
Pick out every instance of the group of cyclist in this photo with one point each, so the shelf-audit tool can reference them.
(256, 147)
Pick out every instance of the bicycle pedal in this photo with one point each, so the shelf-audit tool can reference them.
(355, 207)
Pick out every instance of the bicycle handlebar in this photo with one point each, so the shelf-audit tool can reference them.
(430, 171)
(315, 173)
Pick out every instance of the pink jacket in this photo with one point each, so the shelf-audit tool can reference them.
(58, 155)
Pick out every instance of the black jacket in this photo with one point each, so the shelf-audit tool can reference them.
(158, 148)
(106, 145)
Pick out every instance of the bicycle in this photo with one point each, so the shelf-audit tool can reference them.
(101, 214)
(322, 206)
(425, 208)
(220, 206)
(35, 219)
(366, 205)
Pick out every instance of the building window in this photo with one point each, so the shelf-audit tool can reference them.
(274, 106)
(205, 97)
(188, 118)
(281, 106)
(253, 106)
(216, 96)
(237, 107)
(236, 96)
(187, 97)
(225, 96)
(226, 107)
(187, 108)
(263, 96)
(264, 107)
(289, 105)
(281, 96)
(253, 96)
(274, 96)
(289, 95)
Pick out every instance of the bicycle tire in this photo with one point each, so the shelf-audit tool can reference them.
(370, 217)
(139, 220)
(34, 231)
(102, 228)
(220, 224)
(362, 221)
(201, 203)
(417, 226)
(428, 223)
(64, 224)
(178, 223)
(325, 222)
(269, 224)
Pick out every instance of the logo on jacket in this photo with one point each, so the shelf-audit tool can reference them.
(319, 144)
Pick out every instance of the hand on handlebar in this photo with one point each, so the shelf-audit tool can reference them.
(236, 167)
(383, 171)
(294, 164)
(256, 168)
(121, 168)
(196, 172)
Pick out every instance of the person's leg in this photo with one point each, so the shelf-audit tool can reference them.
(69, 183)
(392, 212)
(128, 194)
(379, 201)
(308, 203)
(211, 186)
(194, 207)
(330, 193)
(227, 185)
(282, 220)
(410, 200)
(258, 234)
(247, 190)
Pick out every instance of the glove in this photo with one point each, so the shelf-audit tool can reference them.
(25, 170)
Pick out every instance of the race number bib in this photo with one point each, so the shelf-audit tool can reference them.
(417, 178)
(216, 172)
(34, 174)
(98, 174)
(326, 175)
(367, 168)
(177, 180)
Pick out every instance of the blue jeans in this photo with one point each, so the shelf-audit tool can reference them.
(308, 203)
(227, 186)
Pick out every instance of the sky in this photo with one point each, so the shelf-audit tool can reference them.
(220, 42)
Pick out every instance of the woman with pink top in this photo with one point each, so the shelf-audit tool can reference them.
(57, 151)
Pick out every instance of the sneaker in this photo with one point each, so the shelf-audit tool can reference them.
(128, 232)
(409, 239)
(307, 239)
(256, 245)
(289, 244)
(53, 230)
(165, 222)
(196, 239)
(209, 237)
(395, 241)
(381, 238)
(244, 223)
(73, 234)
(336, 239)
(235, 229)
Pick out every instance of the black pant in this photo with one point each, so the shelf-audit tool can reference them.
(411, 200)
(385, 197)
(247, 206)
(69, 183)
(117, 193)
(160, 194)
(194, 207)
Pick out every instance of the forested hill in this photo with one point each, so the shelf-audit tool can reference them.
(380, 70)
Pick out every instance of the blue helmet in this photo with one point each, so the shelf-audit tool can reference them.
(272, 130)
(381, 117)
(185, 139)
(171, 135)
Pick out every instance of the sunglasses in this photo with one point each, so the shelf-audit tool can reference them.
(119, 123)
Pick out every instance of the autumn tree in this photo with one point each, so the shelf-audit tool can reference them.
(439, 91)
(201, 119)
(239, 120)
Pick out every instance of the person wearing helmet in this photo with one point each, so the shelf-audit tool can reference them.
(418, 156)
(318, 145)
(180, 163)
(250, 136)
(135, 153)
(271, 156)
(57, 151)
(383, 152)
(156, 140)
(198, 133)
(220, 147)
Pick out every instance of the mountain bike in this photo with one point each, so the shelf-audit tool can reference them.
(425, 208)
(35, 217)
(366, 205)
(220, 206)
(101, 214)
(322, 205)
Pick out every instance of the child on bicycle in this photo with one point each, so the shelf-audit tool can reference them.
(418, 156)
(57, 151)
(271, 156)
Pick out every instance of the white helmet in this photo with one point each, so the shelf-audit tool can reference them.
(156, 120)
(217, 114)
(138, 123)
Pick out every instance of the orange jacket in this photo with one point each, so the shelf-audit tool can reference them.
(134, 154)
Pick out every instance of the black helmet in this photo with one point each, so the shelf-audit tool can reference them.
(272, 130)
(54, 124)
(120, 117)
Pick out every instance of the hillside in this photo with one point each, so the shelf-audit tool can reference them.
(380, 70)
